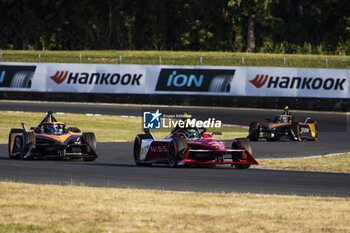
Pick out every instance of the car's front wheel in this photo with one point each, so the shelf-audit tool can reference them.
(90, 149)
(177, 147)
(26, 142)
(137, 149)
(240, 143)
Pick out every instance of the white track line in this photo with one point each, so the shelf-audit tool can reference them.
(312, 156)
(326, 155)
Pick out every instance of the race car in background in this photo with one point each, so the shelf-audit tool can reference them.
(191, 146)
(51, 139)
(282, 127)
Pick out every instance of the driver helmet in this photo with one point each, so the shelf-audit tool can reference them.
(284, 119)
(49, 128)
(191, 133)
(56, 128)
(286, 111)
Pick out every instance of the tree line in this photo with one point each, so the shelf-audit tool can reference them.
(270, 26)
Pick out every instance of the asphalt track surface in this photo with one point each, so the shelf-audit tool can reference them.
(115, 166)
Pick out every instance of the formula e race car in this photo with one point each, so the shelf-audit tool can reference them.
(51, 140)
(188, 146)
(284, 126)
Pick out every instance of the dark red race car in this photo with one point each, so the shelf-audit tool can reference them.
(186, 146)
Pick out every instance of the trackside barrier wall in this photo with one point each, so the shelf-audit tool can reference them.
(271, 87)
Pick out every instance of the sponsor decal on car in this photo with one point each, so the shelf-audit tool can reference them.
(158, 149)
(304, 130)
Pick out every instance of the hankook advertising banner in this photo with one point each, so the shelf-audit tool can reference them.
(177, 80)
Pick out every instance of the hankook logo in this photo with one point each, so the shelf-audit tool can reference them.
(59, 77)
(259, 80)
(96, 78)
(298, 82)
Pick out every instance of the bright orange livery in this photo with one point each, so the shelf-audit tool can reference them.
(51, 139)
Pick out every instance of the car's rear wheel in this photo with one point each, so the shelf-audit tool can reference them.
(240, 143)
(254, 131)
(89, 150)
(137, 149)
(172, 154)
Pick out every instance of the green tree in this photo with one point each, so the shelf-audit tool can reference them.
(252, 11)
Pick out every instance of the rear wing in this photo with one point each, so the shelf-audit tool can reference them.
(24, 127)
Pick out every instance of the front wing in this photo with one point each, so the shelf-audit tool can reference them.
(247, 157)
(157, 152)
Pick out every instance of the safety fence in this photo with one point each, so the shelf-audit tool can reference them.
(332, 62)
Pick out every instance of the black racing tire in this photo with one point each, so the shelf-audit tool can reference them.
(90, 149)
(254, 131)
(28, 142)
(179, 134)
(220, 83)
(237, 144)
(172, 154)
(22, 79)
(89, 158)
(137, 149)
(12, 131)
(181, 144)
(176, 148)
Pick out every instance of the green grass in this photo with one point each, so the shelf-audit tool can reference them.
(106, 128)
(53, 208)
(178, 58)
(339, 163)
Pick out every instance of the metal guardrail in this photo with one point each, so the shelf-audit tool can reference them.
(206, 61)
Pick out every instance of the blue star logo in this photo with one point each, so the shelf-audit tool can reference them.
(151, 120)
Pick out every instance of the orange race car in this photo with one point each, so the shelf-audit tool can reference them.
(282, 127)
(51, 139)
